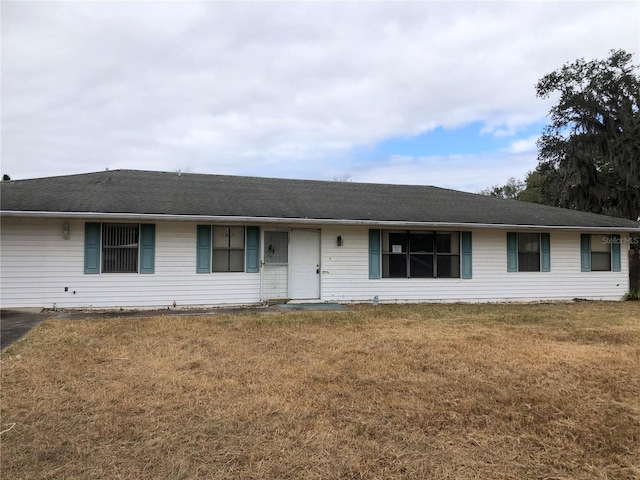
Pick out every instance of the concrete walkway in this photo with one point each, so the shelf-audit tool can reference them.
(14, 324)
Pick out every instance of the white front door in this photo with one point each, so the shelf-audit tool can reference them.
(304, 265)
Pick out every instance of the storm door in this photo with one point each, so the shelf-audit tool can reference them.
(275, 266)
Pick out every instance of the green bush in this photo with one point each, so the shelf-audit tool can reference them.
(633, 295)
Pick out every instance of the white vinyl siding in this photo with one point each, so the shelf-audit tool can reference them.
(346, 274)
(36, 265)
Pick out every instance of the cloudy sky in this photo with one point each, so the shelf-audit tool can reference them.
(437, 93)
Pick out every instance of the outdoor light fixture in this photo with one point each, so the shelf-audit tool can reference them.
(65, 230)
(339, 241)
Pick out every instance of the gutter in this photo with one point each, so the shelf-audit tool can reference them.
(302, 221)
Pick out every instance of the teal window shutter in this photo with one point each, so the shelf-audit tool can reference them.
(147, 247)
(374, 254)
(545, 252)
(466, 255)
(512, 252)
(92, 248)
(203, 253)
(616, 264)
(585, 252)
(253, 250)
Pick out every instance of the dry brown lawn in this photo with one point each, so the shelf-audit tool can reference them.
(386, 392)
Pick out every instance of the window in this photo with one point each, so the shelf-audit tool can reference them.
(222, 248)
(228, 249)
(420, 254)
(450, 262)
(600, 253)
(119, 248)
(528, 252)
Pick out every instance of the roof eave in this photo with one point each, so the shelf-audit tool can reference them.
(305, 221)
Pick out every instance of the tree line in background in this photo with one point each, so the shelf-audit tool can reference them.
(589, 155)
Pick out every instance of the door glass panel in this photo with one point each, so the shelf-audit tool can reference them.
(276, 247)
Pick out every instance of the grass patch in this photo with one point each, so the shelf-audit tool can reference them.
(386, 392)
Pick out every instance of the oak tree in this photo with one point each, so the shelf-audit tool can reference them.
(592, 144)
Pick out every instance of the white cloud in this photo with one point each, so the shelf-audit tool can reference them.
(470, 173)
(280, 89)
(524, 145)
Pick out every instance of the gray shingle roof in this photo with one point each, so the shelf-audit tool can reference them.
(144, 192)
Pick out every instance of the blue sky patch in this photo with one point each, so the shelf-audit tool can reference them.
(466, 140)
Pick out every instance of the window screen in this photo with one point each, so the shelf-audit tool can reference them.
(276, 247)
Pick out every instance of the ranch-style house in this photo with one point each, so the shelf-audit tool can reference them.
(142, 239)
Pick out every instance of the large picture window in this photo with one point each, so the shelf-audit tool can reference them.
(420, 254)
